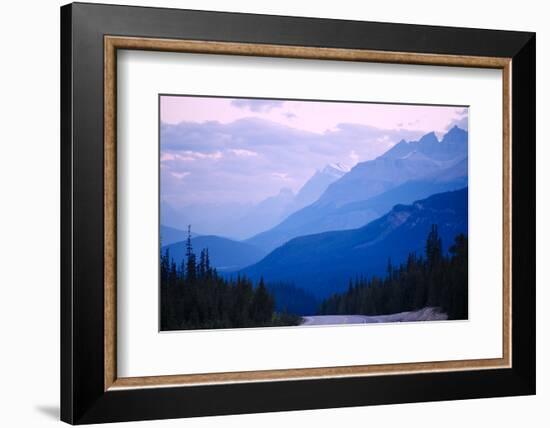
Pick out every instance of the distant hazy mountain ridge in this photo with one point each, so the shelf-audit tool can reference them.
(318, 183)
(323, 263)
(241, 222)
(170, 235)
(225, 254)
(406, 172)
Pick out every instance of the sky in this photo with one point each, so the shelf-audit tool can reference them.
(219, 151)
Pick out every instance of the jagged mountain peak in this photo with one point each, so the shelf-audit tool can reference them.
(453, 145)
(429, 138)
(455, 135)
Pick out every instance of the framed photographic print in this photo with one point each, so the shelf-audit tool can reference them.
(265, 213)
(298, 216)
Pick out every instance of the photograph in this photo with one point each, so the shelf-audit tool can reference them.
(279, 213)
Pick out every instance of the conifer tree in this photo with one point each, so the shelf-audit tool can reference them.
(262, 304)
(207, 262)
(433, 247)
(191, 272)
(202, 263)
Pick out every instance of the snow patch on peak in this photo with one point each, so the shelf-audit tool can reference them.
(337, 167)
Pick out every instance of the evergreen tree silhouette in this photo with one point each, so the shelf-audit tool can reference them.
(191, 272)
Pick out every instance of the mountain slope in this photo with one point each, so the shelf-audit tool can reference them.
(225, 254)
(323, 263)
(318, 218)
(317, 184)
(371, 178)
(243, 221)
(405, 161)
(273, 210)
(452, 178)
(261, 216)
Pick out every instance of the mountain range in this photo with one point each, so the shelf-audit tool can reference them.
(408, 171)
(238, 221)
(324, 263)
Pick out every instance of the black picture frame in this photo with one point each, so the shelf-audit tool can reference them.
(83, 396)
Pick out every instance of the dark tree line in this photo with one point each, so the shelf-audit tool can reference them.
(437, 280)
(194, 296)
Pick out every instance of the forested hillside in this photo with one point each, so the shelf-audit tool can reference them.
(323, 263)
(435, 280)
(194, 296)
